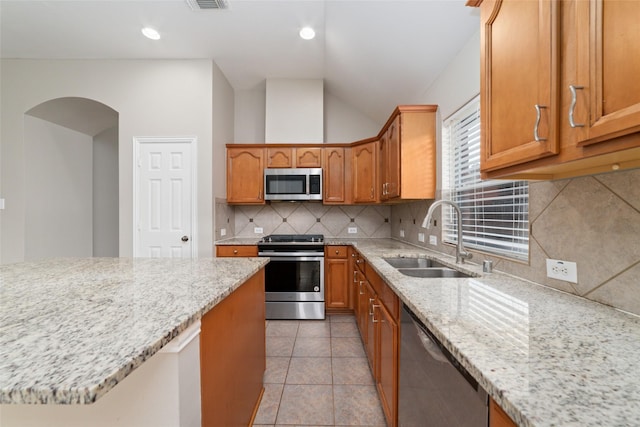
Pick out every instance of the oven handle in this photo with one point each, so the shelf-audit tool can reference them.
(308, 256)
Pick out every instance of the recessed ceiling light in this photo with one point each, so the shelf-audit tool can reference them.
(307, 33)
(151, 33)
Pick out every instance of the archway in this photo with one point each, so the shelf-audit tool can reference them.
(71, 180)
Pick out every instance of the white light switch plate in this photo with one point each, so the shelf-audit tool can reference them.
(257, 230)
(352, 230)
(421, 237)
(223, 232)
(402, 232)
(433, 240)
(562, 270)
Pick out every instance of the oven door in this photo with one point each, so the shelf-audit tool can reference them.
(295, 278)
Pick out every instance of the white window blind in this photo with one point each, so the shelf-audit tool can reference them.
(495, 214)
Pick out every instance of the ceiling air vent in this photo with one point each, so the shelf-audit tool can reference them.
(208, 4)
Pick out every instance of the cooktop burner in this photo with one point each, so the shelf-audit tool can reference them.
(293, 238)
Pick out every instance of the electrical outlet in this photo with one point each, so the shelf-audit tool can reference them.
(223, 232)
(257, 230)
(562, 270)
(402, 232)
(352, 230)
(421, 237)
(433, 240)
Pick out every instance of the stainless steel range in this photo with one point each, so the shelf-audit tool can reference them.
(294, 278)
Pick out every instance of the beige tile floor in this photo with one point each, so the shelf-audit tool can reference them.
(317, 375)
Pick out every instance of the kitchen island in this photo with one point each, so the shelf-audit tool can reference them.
(73, 329)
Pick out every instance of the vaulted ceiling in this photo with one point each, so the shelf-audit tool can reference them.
(372, 54)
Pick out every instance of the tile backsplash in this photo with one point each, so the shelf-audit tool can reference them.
(593, 221)
(303, 218)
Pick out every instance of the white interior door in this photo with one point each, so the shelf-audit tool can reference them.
(165, 198)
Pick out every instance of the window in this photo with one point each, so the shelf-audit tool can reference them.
(495, 213)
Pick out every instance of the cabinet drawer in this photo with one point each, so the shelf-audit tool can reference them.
(237, 250)
(336, 251)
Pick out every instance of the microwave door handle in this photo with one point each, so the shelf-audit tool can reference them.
(308, 178)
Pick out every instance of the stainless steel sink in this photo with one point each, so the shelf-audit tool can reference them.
(432, 272)
(402, 262)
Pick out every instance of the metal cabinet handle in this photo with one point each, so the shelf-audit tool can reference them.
(572, 107)
(361, 293)
(372, 192)
(373, 315)
(355, 276)
(371, 300)
(535, 128)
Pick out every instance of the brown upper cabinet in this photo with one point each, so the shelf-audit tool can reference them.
(408, 154)
(245, 176)
(280, 157)
(365, 178)
(308, 157)
(294, 157)
(398, 164)
(337, 176)
(560, 95)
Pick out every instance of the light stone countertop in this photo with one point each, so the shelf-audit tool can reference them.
(73, 328)
(547, 357)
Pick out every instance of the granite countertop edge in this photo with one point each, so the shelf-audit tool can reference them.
(88, 394)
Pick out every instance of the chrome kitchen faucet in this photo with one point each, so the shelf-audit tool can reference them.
(461, 254)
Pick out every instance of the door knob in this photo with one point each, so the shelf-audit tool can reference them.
(185, 239)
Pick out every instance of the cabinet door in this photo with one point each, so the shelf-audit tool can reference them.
(245, 175)
(392, 160)
(607, 88)
(336, 278)
(370, 344)
(308, 157)
(387, 354)
(365, 181)
(280, 157)
(519, 78)
(497, 417)
(334, 175)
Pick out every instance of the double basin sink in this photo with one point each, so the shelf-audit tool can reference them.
(423, 267)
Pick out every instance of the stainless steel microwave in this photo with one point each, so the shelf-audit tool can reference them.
(293, 184)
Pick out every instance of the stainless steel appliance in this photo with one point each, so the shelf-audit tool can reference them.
(434, 390)
(293, 184)
(294, 278)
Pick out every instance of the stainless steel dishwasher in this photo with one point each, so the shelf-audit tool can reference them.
(434, 390)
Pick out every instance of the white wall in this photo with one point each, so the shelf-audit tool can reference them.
(58, 191)
(294, 111)
(105, 193)
(223, 129)
(460, 80)
(455, 86)
(249, 115)
(344, 124)
(152, 97)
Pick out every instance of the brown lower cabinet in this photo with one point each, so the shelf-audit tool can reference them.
(336, 279)
(237, 251)
(497, 417)
(376, 308)
(233, 356)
